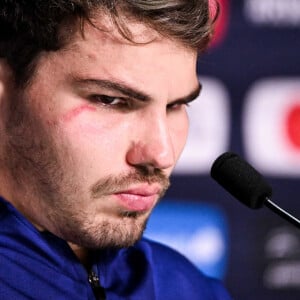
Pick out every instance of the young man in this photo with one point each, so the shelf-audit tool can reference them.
(92, 122)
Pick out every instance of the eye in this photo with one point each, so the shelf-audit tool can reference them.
(109, 100)
(177, 105)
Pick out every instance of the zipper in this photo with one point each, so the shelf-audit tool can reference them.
(98, 290)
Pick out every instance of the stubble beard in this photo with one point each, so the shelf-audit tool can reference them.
(36, 160)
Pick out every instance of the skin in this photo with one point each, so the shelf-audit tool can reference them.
(102, 122)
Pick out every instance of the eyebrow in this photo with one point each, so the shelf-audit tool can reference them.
(191, 96)
(134, 93)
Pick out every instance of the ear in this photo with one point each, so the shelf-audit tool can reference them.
(2, 79)
(6, 80)
(6, 87)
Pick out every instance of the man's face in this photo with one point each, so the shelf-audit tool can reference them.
(91, 142)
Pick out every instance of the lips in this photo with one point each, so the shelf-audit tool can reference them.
(138, 199)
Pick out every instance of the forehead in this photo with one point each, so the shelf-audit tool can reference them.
(123, 29)
(129, 34)
(149, 61)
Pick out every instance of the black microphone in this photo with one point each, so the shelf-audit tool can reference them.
(246, 184)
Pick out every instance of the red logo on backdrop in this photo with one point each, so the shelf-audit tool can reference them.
(293, 125)
(221, 26)
(271, 126)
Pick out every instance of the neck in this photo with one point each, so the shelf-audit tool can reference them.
(83, 254)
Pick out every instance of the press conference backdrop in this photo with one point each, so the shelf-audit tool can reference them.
(250, 104)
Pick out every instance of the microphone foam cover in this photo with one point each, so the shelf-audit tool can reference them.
(241, 180)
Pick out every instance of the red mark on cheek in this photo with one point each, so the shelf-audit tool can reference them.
(69, 116)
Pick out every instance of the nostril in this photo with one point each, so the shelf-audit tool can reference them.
(151, 154)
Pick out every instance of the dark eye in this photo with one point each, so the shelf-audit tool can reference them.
(177, 105)
(108, 100)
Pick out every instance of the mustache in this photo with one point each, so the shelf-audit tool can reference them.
(115, 184)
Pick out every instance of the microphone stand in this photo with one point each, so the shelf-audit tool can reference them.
(282, 213)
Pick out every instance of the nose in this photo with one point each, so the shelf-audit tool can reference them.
(153, 148)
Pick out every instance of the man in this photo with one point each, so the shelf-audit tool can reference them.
(92, 122)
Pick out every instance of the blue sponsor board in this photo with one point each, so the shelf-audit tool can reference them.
(197, 230)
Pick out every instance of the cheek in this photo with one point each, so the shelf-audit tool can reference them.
(88, 151)
(75, 112)
(85, 121)
(93, 137)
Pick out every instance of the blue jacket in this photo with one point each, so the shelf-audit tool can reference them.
(38, 265)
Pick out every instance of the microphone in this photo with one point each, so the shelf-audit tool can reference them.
(246, 184)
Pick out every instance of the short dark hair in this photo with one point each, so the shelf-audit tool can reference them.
(29, 27)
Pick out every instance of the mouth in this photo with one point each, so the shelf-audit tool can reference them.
(138, 199)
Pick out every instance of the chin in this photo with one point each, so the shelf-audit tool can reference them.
(122, 233)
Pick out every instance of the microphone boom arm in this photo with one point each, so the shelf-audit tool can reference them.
(281, 212)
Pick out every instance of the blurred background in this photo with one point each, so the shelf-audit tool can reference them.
(250, 104)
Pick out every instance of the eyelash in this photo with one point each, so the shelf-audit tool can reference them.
(108, 101)
(178, 105)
